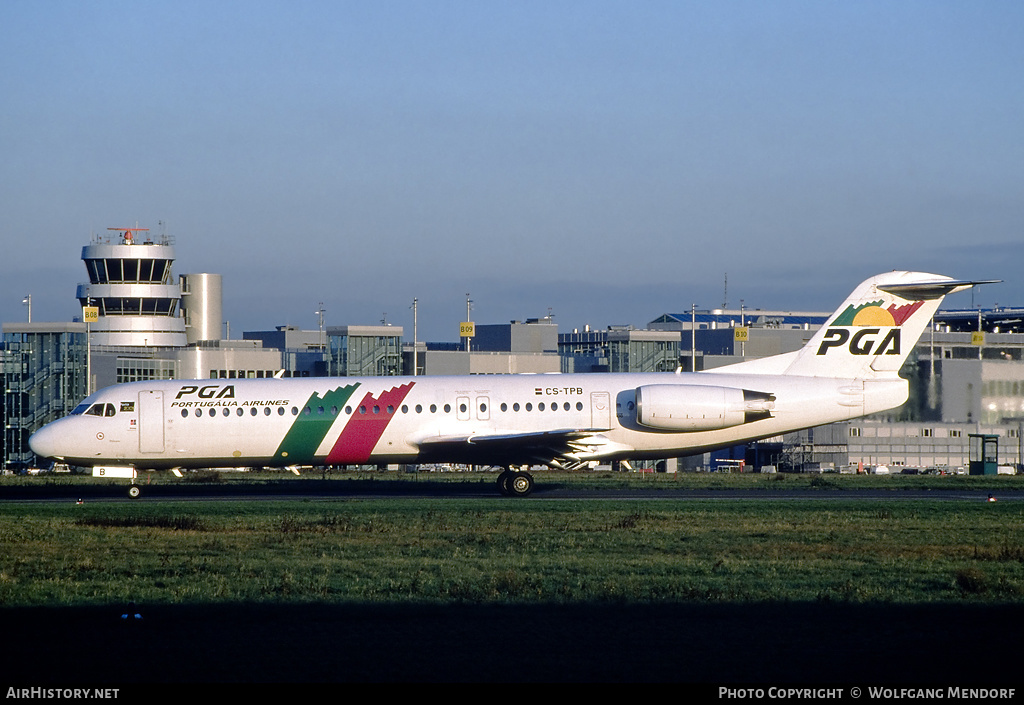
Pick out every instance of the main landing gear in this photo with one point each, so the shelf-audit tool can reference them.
(515, 483)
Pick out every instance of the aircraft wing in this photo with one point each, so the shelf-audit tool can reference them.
(560, 448)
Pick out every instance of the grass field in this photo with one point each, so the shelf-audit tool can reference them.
(478, 551)
(449, 588)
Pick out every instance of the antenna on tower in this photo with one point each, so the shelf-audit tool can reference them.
(725, 292)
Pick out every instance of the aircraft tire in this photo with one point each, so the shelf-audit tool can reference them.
(134, 491)
(520, 484)
(502, 482)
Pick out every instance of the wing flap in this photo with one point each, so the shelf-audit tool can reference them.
(538, 447)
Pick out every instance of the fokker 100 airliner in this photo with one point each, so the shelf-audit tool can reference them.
(849, 368)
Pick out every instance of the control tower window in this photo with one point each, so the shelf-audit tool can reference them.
(114, 271)
(97, 271)
(146, 270)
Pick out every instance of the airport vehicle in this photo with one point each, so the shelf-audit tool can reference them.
(849, 368)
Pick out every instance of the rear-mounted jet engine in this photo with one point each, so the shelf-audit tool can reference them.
(688, 407)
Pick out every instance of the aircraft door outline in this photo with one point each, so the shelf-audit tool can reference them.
(151, 421)
(601, 409)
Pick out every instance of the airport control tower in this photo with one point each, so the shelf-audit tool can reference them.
(130, 282)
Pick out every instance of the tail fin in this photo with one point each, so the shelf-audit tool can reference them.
(873, 331)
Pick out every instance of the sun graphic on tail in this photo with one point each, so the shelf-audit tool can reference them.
(872, 314)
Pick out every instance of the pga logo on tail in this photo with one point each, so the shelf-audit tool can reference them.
(870, 318)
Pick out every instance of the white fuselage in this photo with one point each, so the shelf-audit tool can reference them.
(499, 420)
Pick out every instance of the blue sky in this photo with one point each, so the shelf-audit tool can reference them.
(606, 161)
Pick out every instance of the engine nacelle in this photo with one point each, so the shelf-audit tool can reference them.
(690, 407)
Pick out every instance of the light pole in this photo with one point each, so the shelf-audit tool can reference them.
(693, 337)
(323, 343)
(415, 352)
(469, 305)
(743, 324)
(90, 315)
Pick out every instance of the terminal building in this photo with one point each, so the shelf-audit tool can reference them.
(619, 349)
(517, 347)
(966, 375)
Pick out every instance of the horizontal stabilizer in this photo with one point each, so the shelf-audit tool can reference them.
(933, 289)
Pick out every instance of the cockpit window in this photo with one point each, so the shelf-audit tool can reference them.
(110, 410)
(99, 410)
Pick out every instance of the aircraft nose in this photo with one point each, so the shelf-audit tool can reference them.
(44, 442)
